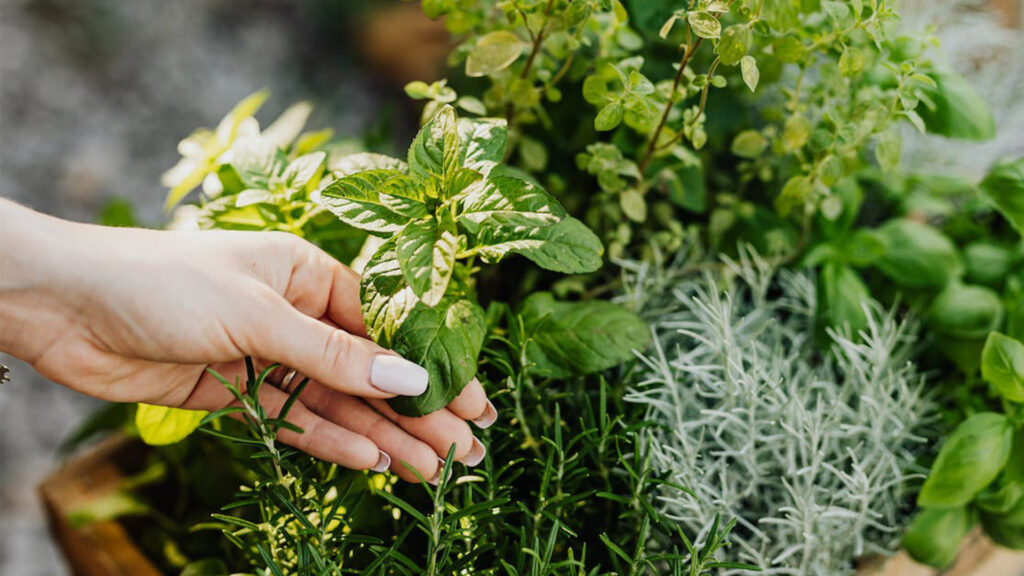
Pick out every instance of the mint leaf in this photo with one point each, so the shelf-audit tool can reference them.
(485, 140)
(1004, 187)
(302, 170)
(493, 52)
(426, 253)
(378, 201)
(445, 340)
(568, 247)
(364, 161)
(505, 201)
(387, 298)
(575, 338)
(435, 153)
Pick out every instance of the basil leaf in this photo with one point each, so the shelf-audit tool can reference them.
(507, 202)
(378, 201)
(162, 425)
(842, 297)
(1002, 366)
(577, 338)
(435, 153)
(965, 311)
(934, 536)
(957, 110)
(568, 247)
(1004, 187)
(969, 461)
(485, 140)
(917, 255)
(387, 299)
(445, 340)
(426, 253)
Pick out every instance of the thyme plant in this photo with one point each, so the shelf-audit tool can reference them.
(812, 451)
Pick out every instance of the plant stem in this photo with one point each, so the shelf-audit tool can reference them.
(691, 47)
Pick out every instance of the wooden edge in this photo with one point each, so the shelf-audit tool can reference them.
(978, 557)
(101, 548)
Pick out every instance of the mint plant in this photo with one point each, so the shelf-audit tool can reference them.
(448, 206)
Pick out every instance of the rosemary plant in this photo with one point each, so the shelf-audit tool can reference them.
(812, 451)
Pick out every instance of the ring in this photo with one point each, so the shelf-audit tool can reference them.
(286, 382)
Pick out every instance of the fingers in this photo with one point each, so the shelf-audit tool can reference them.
(357, 416)
(334, 357)
(472, 404)
(321, 437)
(440, 430)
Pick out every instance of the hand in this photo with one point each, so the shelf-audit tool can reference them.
(137, 315)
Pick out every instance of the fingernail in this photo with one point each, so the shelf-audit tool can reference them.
(437, 477)
(396, 375)
(489, 417)
(383, 462)
(476, 453)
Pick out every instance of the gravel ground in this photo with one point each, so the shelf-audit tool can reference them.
(94, 95)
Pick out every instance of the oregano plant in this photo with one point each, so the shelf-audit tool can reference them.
(445, 208)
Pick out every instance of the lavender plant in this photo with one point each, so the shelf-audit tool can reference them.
(811, 451)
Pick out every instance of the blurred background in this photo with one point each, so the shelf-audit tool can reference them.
(95, 94)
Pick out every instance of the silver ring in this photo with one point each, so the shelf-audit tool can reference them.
(286, 382)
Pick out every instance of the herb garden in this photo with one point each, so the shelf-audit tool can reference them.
(725, 329)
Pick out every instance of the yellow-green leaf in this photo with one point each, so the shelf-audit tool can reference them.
(161, 425)
(493, 52)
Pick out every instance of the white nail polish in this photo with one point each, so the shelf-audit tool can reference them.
(476, 453)
(489, 417)
(383, 462)
(437, 476)
(396, 375)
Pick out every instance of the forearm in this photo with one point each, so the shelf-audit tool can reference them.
(30, 275)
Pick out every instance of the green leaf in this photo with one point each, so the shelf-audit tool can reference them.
(934, 536)
(205, 567)
(445, 340)
(435, 153)
(842, 295)
(749, 144)
(485, 141)
(115, 504)
(568, 247)
(959, 110)
(751, 75)
(965, 311)
(506, 201)
(969, 461)
(736, 40)
(426, 253)
(609, 116)
(378, 201)
(795, 133)
(887, 150)
(917, 255)
(851, 62)
(1002, 366)
(493, 52)
(577, 338)
(387, 299)
(1004, 187)
(162, 425)
(704, 25)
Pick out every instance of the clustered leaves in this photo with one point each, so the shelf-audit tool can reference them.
(811, 450)
(447, 207)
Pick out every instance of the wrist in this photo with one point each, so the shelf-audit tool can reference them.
(30, 265)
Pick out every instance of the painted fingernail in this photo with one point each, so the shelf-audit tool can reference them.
(396, 375)
(489, 417)
(383, 462)
(437, 477)
(476, 453)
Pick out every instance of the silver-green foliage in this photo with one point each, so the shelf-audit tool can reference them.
(811, 452)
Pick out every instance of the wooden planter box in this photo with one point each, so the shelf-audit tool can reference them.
(106, 549)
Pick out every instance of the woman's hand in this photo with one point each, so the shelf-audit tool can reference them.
(137, 315)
